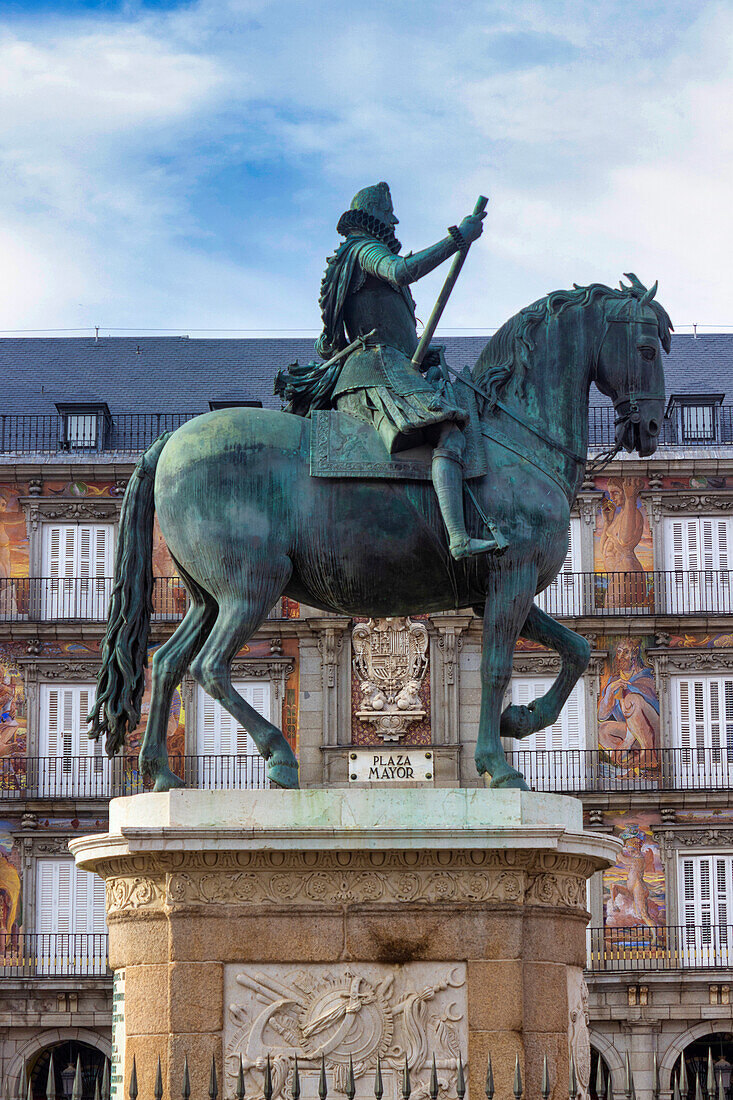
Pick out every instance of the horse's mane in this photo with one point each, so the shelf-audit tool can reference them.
(512, 344)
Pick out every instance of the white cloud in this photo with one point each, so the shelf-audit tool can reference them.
(608, 149)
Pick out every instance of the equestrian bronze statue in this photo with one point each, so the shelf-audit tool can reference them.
(394, 495)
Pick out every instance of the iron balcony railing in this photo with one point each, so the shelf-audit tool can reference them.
(52, 777)
(692, 426)
(128, 432)
(656, 592)
(573, 771)
(53, 954)
(61, 599)
(134, 432)
(671, 947)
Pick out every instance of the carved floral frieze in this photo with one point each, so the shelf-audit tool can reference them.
(336, 878)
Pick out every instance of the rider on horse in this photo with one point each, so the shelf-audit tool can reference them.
(365, 290)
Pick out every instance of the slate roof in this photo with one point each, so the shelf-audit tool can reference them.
(177, 374)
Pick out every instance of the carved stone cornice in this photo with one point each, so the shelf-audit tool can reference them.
(70, 509)
(177, 883)
(587, 506)
(676, 503)
(274, 669)
(672, 838)
(536, 664)
(54, 668)
(676, 661)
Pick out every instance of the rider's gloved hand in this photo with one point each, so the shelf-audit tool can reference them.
(471, 227)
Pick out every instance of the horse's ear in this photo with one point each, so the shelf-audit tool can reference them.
(647, 297)
(636, 284)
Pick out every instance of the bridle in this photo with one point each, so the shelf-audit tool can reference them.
(625, 404)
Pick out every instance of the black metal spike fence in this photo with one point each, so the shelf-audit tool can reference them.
(683, 1085)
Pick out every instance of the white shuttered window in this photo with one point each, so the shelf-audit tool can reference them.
(70, 919)
(553, 758)
(77, 570)
(697, 557)
(702, 726)
(69, 764)
(564, 595)
(706, 908)
(228, 756)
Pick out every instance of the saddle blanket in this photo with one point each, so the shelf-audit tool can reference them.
(344, 446)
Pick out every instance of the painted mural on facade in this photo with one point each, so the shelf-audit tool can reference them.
(634, 888)
(13, 552)
(623, 554)
(13, 720)
(696, 641)
(11, 907)
(628, 711)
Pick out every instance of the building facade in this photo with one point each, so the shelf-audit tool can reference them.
(646, 739)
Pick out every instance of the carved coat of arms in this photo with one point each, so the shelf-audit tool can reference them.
(347, 1016)
(390, 661)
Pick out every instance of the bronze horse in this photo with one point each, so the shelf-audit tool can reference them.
(246, 523)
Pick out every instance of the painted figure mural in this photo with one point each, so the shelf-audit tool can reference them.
(628, 709)
(623, 543)
(634, 891)
(10, 885)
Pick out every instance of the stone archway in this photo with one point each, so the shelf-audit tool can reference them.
(681, 1042)
(610, 1055)
(53, 1037)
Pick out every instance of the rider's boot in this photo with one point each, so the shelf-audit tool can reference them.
(447, 472)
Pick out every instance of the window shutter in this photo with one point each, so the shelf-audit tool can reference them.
(676, 549)
(208, 744)
(685, 717)
(568, 732)
(258, 696)
(51, 727)
(85, 551)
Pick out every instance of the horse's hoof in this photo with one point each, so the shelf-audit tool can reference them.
(509, 780)
(283, 774)
(166, 780)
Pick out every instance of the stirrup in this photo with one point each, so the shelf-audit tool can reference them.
(469, 548)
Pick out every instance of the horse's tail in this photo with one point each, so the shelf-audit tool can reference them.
(121, 680)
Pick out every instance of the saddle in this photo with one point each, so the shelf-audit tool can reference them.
(344, 446)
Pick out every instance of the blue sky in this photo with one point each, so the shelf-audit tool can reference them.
(183, 166)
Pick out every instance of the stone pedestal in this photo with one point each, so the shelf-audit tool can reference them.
(405, 922)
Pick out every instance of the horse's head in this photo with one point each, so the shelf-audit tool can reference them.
(628, 364)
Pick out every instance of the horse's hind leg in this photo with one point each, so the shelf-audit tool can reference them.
(239, 616)
(169, 664)
(575, 653)
(507, 602)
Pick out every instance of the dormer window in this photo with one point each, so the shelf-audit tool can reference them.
(233, 403)
(693, 417)
(83, 426)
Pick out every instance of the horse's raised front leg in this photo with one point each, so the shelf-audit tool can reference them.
(239, 617)
(169, 664)
(507, 603)
(521, 721)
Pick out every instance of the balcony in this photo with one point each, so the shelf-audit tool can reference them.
(53, 954)
(131, 433)
(98, 777)
(715, 429)
(678, 592)
(577, 771)
(675, 947)
(85, 599)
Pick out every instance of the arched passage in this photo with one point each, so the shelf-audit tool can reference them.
(92, 1048)
(713, 1049)
(612, 1060)
(671, 1055)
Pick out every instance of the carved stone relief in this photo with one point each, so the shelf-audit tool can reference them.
(349, 1013)
(578, 1037)
(390, 662)
(281, 879)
